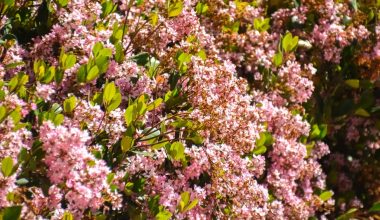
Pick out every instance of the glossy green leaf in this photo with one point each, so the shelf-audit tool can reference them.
(70, 61)
(22, 181)
(69, 104)
(185, 198)
(348, 215)
(289, 43)
(12, 213)
(201, 8)
(362, 112)
(315, 132)
(7, 166)
(191, 205)
(163, 214)
(177, 151)
(109, 92)
(126, 143)
(92, 74)
(63, 3)
(141, 59)
(375, 207)
(3, 113)
(155, 104)
(58, 119)
(175, 8)
(261, 25)
(325, 195)
(261, 140)
(260, 150)
(81, 76)
(115, 102)
(130, 114)
(97, 48)
(119, 55)
(277, 59)
(12, 84)
(354, 83)
(67, 216)
(108, 7)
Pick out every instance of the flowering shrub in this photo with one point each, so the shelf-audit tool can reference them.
(200, 109)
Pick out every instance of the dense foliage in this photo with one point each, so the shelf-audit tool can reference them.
(198, 109)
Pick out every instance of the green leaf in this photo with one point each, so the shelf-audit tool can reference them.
(354, 4)
(109, 92)
(196, 138)
(93, 73)
(16, 116)
(119, 55)
(115, 102)
(354, 83)
(7, 166)
(191, 205)
(22, 181)
(69, 104)
(63, 3)
(141, 59)
(184, 58)
(362, 112)
(326, 195)
(323, 128)
(163, 214)
(151, 134)
(175, 8)
(70, 61)
(12, 84)
(107, 52)
(153, 18)
(315, 132)
(12, 213)
(152, 64)
(185, 198)
(259, 150)
(375, 207)
(277, 59)
(8, 2)
(108, 7)
(154, 203)
(3, 113)
(81, 77)
(177, 151)
(159, 145)
(126, 143)
(201, 8)
(289, 43)
(110, 177)
(58, 119)
(261, 25)
(56, 108)
(97, 48)
(155, 104)
(67, 216)
(202, 54)
(58, 76)
(309, 148)
(49, 75)
(348, 215)
(102, 63)
(268, 139)
(14, 65)
(130, 114)
(261, 140)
